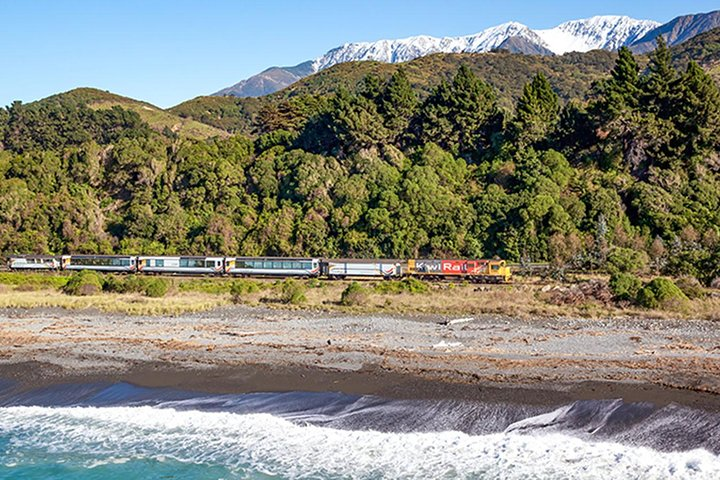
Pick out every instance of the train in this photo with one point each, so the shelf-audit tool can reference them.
(477, 271)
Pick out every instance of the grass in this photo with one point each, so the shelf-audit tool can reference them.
(159, 119)
(33, 279)
(525, 298)
(131, 304)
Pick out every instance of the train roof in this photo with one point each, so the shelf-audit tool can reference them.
(287, 259)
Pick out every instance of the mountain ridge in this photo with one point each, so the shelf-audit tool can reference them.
(606, 32)
(599, 32)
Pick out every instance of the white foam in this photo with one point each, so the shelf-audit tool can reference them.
(276, 446)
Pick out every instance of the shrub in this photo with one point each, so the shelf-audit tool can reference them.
(238, 288)
(691, 287)
(156, 287)
(625, 286)
(646, 298)
(292, 291)
(409, 285)
(39, 280)
(663, 293)
(85, 282)
(626, 260)
(354, 294)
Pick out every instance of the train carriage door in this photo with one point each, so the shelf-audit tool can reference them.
(65, 261)
(133, 263)
(229, 264)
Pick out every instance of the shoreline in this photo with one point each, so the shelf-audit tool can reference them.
(373, 381)
(496, 359)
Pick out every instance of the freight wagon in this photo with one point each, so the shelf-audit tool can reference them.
(337, 269)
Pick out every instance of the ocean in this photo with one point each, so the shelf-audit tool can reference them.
(119, 431)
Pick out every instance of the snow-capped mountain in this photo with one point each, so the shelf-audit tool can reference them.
(603, 32)
(607, 32)
(403, 50)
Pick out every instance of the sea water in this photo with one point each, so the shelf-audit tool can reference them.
(123, 432)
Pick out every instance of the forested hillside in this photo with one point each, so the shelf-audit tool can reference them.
(627, 172)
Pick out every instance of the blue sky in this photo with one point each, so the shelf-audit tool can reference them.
(166, 51)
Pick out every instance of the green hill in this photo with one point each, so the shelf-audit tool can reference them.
(157, 118)
(570, 76)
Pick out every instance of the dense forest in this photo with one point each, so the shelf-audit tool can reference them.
(625, 174)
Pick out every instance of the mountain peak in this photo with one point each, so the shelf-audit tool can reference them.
(606, 32)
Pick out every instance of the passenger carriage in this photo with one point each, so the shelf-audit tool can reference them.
(188, 265)
(273, 266)
(100, 263)
(34, 262)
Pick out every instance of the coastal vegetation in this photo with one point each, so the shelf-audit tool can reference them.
(586, 296)
(618, 175)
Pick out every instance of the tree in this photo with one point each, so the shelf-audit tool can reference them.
(537, 112)
(398, 105)
(698, 118)
(461, 117)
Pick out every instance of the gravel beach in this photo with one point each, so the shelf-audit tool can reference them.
(243, 349)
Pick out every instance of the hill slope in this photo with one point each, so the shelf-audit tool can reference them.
(678, 30)
(157, 118)
(570, 74)
(606, 32)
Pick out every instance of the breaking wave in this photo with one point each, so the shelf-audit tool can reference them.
(118, 431)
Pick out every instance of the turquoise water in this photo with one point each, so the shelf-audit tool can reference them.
(101, 432)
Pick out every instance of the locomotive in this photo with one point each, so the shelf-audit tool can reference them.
(479, 271)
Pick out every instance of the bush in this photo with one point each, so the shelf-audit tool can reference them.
(85, 282)
(238, 288)
(156, 287)
(691, 287)
(662, 293)
(626, 260)
(292, 291)
(646, 298)
(354, 294)
(625, 286)
(409, 285)
(39, 280)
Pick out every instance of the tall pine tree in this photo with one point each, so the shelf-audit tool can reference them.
(537, 112)
(398, 104)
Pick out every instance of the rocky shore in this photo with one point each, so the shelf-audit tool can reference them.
(244, 349)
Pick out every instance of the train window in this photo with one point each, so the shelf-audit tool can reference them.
(159, 263)
(496, 267)
(295, 265)
(267, 265)
(277, 265)
(286, 265)
(306, 265)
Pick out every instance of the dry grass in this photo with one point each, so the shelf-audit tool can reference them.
(131, 304)
(523, 299)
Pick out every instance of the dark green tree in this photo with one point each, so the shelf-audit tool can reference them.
(537, 112)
